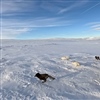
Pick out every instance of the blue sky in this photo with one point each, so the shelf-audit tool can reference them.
(32, 19)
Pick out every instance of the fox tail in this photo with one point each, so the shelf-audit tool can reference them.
(51, 77)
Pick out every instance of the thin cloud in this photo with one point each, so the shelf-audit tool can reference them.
(17, 6)
(9, 33)
(67, 9)
(72, 6)
(14, 27)
(94, 25)
(98, 28)
(36, 22)
(90, 8)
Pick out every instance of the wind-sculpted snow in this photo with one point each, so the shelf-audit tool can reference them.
(22, 59)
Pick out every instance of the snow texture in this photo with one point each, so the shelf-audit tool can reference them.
(22, 59)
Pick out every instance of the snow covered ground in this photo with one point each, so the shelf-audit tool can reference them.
(22, 59)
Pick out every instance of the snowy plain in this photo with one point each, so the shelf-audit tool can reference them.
(22, 59)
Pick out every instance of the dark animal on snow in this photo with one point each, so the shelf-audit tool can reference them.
(97, 57)
(44, 77)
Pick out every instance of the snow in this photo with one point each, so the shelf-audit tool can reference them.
(22, 59)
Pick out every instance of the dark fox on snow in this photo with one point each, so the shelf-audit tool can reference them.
(44, 77)
(97, 57)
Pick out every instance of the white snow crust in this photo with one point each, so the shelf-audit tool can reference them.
(22, 59)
